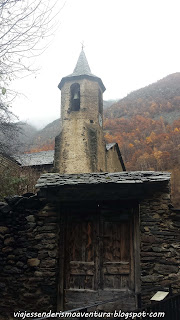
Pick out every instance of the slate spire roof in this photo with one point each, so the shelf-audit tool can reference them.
(81, 70)
(82, 66)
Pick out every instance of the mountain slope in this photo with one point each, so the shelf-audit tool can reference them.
(160, 99)
(146, 125)
(44, 139)
(30, 139)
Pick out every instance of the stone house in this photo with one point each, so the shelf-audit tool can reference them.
(33, 165)
(41, 162)
(9, 170)
(7, 161)
(93, 232)
(88, 238)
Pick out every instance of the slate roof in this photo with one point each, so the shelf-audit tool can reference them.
(81, 70)
(110, 145)
(82, 66)
(49, 180)
(47, 157)
(36, 158)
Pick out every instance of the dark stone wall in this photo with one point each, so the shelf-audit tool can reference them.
(92, 147)
(28, 255)
(57, 153)
(160, 246)
(29, 242)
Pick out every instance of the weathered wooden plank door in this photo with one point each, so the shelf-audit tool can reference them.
(98, 259)
(80, 259)
(117, 275)
(116, 257)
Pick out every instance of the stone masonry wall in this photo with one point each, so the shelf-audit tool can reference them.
(8, 162)
(160, 246)
(80, 148)
(113, 163)
(88, 155)
(29, 240)
(28, 255)
(89, 101)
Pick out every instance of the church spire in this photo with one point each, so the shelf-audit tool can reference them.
(82, 66)
(81, 70)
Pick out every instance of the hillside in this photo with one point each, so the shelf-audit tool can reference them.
(17, 138)
(146, 125)
(160, 99)
(44, 139)
(108, 103)
(25, 136)
(30, 139)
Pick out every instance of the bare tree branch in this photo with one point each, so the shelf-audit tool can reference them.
(24, 24)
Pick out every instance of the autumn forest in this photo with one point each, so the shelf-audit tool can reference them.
(146, 125)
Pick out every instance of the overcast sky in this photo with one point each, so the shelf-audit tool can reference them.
(128, 44)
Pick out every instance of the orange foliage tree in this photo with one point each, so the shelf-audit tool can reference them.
(147, 144)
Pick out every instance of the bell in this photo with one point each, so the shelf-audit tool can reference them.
(76, 96)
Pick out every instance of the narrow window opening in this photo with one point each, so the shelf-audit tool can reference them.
(75, 97)
(91, 121)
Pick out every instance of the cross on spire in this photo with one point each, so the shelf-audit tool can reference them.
(82, 44)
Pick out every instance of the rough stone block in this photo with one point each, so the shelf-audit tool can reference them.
(4, 230)
(30, 218)
(34, 262)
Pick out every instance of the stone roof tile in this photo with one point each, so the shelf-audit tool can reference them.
(131, 177)
(36, 158)
(81, 69)
(82, 66)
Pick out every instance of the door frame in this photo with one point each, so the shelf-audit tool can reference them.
(135, 252)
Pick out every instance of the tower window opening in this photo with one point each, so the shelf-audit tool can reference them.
(75, 97)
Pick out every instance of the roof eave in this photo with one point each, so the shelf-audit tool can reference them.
(79, 77)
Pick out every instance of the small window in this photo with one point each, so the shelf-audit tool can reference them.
(75, 97)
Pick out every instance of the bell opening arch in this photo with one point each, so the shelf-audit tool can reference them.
(75, 97)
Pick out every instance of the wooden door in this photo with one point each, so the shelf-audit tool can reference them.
(118, 263)
(80, 251)
(80, 259)
(98, 259)
(117, 255)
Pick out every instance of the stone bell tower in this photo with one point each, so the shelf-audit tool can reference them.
(80, 147)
